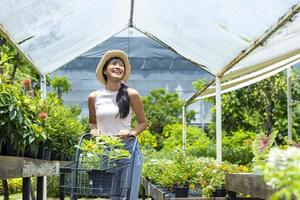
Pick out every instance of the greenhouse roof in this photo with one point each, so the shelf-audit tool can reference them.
(230, 39)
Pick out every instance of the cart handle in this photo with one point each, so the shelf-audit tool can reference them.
(84, 136)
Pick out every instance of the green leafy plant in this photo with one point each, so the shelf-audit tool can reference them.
(103, 150)
(180, 173)
(169, 169)
(260, 107)
(195, 139)
(162, 108)
(212, 175)
(198, 84)
(16, 119)
(177, 171)
(237, 147)
(62, 127)
(147, 140)
(61, 85)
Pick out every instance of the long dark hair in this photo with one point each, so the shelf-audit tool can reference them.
(123, 99)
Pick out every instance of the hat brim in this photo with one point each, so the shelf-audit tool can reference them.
(108, 55)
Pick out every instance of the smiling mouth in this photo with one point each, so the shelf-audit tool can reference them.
(117, 72)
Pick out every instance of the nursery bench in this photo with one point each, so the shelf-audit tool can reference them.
(247, 183)
(22, 167)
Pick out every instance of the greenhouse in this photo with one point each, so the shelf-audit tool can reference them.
(156, 60)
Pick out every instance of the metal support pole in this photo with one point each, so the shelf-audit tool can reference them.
(26, 188)
(218, 120)
(5, 190)
(289, 101)
(183, 129)
(42, 181)
(61, 188)
(40, 188)
(45, 187)
(43, 86)
(202, 114)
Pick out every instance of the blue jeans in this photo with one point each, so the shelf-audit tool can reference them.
(121, 187)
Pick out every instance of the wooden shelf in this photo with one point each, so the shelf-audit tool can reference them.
(248, 183)
(17, 167)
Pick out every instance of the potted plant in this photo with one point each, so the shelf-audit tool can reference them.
(13, 118)
(177, 175)
(212, 179)
(106, 149)
(100, 154)
(261, 147)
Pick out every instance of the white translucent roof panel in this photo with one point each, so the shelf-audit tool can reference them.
(283, 44)
(252, 78)
(58, 31)
(211, 33)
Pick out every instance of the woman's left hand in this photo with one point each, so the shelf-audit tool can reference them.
(124, 133)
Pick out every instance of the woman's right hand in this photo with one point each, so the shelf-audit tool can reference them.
(95, 132)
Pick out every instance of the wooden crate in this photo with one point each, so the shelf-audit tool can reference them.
(248, 183)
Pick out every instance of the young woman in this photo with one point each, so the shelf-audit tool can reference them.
(110, 108)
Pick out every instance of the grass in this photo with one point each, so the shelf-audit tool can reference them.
(13, 196)
(19, 197)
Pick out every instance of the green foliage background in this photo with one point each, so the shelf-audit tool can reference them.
(163, 108)
(261, 107)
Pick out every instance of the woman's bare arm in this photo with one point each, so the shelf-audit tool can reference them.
(138, 109)
(92, 114)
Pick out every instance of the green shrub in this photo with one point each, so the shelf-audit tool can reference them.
(62, 127)
(18, 116)
(196, 139)
(53, 186)
(147, 140)
(85, 123)
(61, 85)
(237, 148)
(15, 185)
(162, 108)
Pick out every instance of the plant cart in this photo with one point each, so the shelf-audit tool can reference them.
(103, 175)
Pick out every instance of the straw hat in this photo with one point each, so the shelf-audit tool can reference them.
(108, 55)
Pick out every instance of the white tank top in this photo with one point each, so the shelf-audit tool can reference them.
(108, 120)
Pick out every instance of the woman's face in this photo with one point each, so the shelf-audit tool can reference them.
(115, 69)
